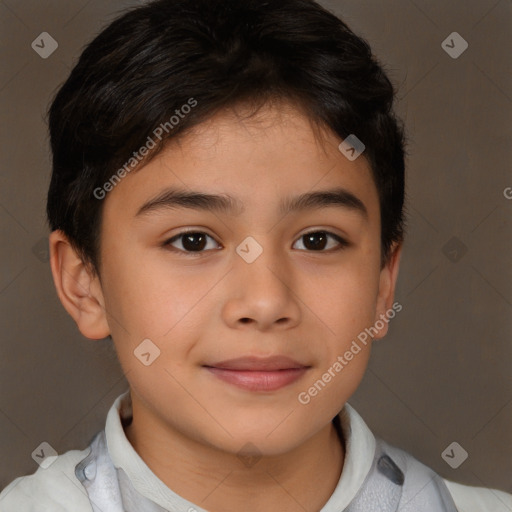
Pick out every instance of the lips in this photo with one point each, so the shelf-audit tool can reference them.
(259, 374)
(252, 363)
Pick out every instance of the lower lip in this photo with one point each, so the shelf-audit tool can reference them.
(259, 380)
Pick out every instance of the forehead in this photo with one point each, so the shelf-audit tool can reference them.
(264, 159)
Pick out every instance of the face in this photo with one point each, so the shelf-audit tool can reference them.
(286, 286)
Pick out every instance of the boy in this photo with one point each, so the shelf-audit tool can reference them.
(227, 204)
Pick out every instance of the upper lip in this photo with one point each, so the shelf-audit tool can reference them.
(253, 363)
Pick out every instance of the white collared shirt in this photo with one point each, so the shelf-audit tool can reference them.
(56, 488)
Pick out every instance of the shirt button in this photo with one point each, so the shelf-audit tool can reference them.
(90, 471)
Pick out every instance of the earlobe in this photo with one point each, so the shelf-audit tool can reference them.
(387, 284)
(78, 288)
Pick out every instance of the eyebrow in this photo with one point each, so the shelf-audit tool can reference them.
(174, 198)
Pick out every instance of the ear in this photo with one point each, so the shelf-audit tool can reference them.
(78, 287)
(387, 283)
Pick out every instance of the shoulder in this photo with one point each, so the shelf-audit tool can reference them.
(465, 497)
(479, 499)
(51, 489)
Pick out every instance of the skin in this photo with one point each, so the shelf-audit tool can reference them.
(188, 425)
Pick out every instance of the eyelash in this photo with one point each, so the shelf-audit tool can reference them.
(343, 244)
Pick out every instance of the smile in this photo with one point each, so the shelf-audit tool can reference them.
(257, 380)
(259, 374)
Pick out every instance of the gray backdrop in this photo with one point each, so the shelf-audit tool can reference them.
(442, 374)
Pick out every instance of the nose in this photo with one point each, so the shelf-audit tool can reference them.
(261, 294)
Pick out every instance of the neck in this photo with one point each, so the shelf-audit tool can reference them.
(303, 479)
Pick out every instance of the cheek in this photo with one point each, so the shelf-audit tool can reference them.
(348, 307)
(334, 383)
(143, 297)
(154, 302)
(345, 299)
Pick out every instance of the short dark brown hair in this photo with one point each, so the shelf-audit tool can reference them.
(158, 57)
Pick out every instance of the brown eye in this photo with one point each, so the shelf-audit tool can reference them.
(319, 240)
(190, 241)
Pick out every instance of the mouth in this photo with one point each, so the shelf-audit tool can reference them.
(259, 374)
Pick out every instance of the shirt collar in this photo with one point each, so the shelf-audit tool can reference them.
(359, 453)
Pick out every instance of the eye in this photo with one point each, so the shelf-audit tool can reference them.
(318, 240)
(197, 242)
(190, 241)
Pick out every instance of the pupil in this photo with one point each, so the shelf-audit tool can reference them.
(190, 245)
(310, 240)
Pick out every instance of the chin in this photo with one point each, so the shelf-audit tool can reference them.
(262, 438)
